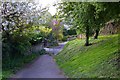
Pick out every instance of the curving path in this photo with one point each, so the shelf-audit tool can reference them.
(57, 49)
(43, 67)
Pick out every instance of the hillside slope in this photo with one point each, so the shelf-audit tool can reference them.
(96, 60)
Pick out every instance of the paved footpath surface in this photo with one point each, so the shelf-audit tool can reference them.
(43, 67)
(57, 49)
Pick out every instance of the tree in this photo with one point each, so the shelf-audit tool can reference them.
(88, 17)
(105, 12)
(46, 18)
(57, 29)
(99, 18)
(17, 15)
(82, 15)
(17, 18)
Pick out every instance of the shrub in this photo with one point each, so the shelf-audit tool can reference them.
(42, 51)
(64, 38)
(72, 32)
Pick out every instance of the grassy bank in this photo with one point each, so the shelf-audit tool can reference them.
(96, 60)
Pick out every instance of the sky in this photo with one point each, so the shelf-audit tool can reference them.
(49, 3)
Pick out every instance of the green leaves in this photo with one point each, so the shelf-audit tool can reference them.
(93, 14)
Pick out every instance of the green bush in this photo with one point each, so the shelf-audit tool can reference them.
(17, 63)
(41, 33)
(42, 51)
(17, 45)
(64, 38)
(37, 38)
(72, 32)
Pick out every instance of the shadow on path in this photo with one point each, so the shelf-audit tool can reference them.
(43, 67)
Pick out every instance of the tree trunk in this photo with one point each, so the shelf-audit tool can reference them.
(96, 33)
(87, 36)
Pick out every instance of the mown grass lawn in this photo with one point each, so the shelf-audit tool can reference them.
(94, 61)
